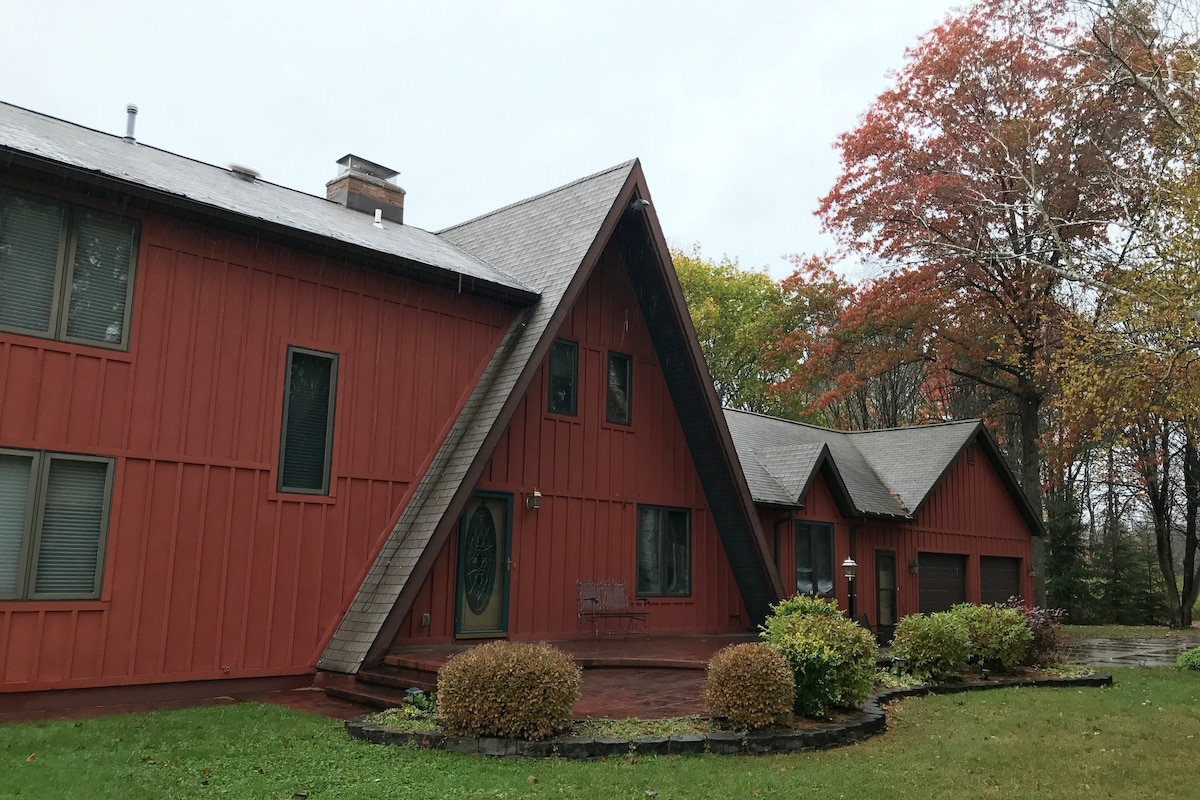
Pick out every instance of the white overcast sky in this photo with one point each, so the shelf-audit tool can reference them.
(733, 107)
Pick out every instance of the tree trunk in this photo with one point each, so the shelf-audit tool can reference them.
(1191, 490)
(1030, 404)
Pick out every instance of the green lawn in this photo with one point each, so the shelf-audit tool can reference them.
(1140, 738)
(1124, 631)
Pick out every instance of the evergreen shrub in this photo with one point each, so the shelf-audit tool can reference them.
(1189, 659)
(1045, 625)
(516, 690)
(999, 637)
(832, 660)
(934, 645)
(750, 685)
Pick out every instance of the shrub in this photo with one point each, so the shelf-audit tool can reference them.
(509, 689)
(1189, 659)
(832, 660)
(750, 685)
(1045, 624)
(999, 637)
(934, 645)
(798, 605)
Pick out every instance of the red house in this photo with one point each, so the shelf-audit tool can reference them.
(247, 433)
(931, 515)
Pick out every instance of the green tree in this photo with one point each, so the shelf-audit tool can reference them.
(737, 314)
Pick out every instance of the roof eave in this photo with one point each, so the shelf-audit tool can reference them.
(25, 165)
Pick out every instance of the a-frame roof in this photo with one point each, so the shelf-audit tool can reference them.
(552, 242)
(885, 474)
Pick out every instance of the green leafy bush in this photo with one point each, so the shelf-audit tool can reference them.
(999, 637)
(1049, 642)
(750, 685)
(798, 605)
(832, 660)
(934, 645)
(1189, 659)
(515, 690)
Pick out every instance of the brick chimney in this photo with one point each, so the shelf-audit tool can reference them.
(366, 186)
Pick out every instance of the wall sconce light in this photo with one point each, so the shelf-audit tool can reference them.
(914, 566)
(1032, 570)
(533, 500)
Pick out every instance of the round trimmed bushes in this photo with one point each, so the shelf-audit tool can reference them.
(999, 637)
(750, 685)
(934, 645)
(515, 690)
(1189, 659)
(832, 660)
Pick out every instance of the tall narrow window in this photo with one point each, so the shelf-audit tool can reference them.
(307, 442)
(814, 558)
(664, 552)
(564, 372)
(65, 272)
(53, 524)
(620, 389)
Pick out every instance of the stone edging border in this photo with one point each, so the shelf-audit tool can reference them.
(870, 722)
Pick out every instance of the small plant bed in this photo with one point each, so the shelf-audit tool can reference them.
(592, 739)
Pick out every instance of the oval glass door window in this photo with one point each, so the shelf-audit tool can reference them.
(480, 560)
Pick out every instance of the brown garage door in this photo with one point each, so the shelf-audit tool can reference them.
(943, 581)
(999, 579)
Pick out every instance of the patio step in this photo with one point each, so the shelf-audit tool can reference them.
(381, 687)
(366, 694)
(399, 678)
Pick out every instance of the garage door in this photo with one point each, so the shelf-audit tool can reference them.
(999, 579)
(943, 581)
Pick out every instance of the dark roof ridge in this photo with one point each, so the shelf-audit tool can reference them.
(171, 153)
(538, 196)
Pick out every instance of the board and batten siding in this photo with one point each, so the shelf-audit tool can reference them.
(969, 513)
(592, 476)
(208, 571)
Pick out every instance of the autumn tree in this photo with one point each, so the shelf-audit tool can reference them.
(987, 169)
(863, 356)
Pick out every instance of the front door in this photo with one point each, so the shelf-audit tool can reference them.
(885, 595)
(481, 609)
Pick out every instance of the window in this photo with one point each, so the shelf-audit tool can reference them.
(65, 272)
(53, 524)
(664, 552)
(814, 558)
(308, 405)
(620, 389)
(564, 371)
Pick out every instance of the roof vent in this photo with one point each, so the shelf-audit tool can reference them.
(130, 120)
(245, 173)
(366, 186)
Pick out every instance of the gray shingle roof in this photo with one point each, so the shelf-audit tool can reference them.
(887, 473)
(184, 179)
(543, 241)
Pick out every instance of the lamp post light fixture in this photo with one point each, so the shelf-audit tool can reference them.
(850, 569)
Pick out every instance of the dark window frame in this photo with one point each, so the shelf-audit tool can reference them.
(572, 407)
(33, 528)
(627, 418)
(73, 217)
(331, 414)
(660, 589)
(810, 530)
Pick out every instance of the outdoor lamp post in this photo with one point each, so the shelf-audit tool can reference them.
(850, 569)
